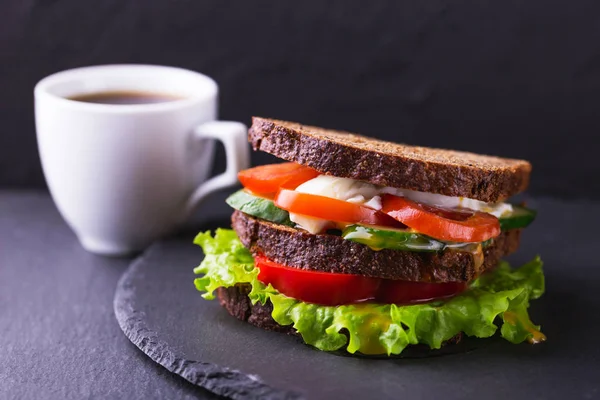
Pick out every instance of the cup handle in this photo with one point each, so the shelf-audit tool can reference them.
(234, 137)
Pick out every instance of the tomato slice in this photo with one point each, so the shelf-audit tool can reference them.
(267, 179)
(451, 225)
(331, 289)
(332, 209)
(404, 292)
(316, 287)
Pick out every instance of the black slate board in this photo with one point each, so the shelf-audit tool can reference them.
(160, 311)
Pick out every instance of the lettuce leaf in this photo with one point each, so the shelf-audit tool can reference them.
(497, 299)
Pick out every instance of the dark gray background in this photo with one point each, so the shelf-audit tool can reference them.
(514, 78)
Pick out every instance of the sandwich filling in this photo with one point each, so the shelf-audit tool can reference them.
(368, 314)
(377, 216)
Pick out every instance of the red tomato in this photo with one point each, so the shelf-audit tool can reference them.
(267, 179)
(404, 292)
(316, 287)
(451, 225)
(331, 289)
(331, 209)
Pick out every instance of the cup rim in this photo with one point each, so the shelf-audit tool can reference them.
(43, 89)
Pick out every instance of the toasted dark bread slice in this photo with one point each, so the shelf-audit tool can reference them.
(235, 300)
(329, 253)
(347, 155)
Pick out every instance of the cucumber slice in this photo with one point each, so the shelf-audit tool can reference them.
(520, 217)
(259, 207)
(395, 239)
(379, 238)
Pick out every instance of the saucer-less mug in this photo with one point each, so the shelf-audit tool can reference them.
(124, 175)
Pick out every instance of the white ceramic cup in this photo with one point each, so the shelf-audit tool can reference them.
(124, 175)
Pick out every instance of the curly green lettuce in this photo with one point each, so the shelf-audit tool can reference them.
(496, 299)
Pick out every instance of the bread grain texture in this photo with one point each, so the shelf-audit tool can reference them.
(348, 155)
(329, 253)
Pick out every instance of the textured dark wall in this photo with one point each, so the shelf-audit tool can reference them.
(513, 78)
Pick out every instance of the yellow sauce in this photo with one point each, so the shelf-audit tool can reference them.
(536, 336)
(476, 250)
(371, 329)
(477, 253)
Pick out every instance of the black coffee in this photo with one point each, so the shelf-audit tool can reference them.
(125, 97)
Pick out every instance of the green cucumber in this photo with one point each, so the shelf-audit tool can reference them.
(520, 217)
(259, 207)
(379, 238)
(395, 239)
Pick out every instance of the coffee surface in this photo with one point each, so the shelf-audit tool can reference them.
(125, 97)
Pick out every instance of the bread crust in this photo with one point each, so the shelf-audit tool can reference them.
(347, 155)
(328, 253)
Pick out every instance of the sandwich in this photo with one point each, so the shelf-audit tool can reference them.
(369, 247)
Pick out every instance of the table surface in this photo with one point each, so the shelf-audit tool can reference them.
(58, 333)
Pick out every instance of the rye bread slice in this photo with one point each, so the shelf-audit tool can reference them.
(347, 155)
(237, 303)
(235, 300)
(329, 253)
